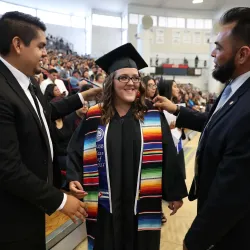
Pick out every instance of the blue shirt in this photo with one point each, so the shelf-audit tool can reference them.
(74, 82)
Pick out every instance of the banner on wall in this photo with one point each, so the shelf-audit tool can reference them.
(187, 37)
(197, 37)
(176, 37)
(159, 36)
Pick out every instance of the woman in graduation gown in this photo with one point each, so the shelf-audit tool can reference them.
(169, 89)
(120, 156)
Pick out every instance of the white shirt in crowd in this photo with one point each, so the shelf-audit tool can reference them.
(59, 83)
(24, 82)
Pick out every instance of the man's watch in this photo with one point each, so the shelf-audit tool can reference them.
(176, 113)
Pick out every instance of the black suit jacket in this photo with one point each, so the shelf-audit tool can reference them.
(25, 161)
(223, 191)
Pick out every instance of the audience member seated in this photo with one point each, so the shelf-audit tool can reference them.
(52, 79)
(94, 73)
(99, 80)
(76, 81)
(52, 92)
(66, 73)
(85, 74)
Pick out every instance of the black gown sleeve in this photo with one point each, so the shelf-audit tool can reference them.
(191, 119)
(75, 154)
(173, 183)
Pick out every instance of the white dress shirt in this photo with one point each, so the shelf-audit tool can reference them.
(24, 82)
(59, 83)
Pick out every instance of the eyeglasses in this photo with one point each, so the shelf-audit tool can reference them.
(152, 86)
(126, 79)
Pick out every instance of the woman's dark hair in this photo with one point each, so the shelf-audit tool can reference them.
(165, 88)
(86, 70)
(145, 80)
(18, 24)
(49, 92)
(240, 15)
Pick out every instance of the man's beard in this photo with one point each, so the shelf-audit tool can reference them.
(225, 72)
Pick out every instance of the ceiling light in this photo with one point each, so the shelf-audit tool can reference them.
(197, 1)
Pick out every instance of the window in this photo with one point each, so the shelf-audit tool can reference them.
(124, 36)
(199, 24)
(180, 23)
(190, 23)
(78, 22)
(6, 7)
(106, 21)
(162, 21)
(154, 20)
(125, 22)
(208, 24)
(137, 19)
(133, 18)
(54, 18)
(171, 22)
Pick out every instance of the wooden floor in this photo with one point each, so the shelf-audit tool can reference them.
(174, 230)
(54, 221)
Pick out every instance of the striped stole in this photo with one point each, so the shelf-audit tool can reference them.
(96, 173)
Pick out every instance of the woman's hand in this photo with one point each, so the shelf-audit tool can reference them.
(76, 189)
(175, 206)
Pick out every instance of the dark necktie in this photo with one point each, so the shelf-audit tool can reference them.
(33, 94)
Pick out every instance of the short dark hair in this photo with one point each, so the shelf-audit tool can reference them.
(240, 15)
(18, 24)
(76, 71)
(51, 71)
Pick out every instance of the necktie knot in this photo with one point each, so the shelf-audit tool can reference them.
(32, 88)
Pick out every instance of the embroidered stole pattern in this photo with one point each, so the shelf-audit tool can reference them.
(96, 173)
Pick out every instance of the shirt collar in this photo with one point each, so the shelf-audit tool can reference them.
(237, 82)
(22, 79)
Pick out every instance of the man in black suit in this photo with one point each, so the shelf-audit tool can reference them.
(222, 172)
(26, 151)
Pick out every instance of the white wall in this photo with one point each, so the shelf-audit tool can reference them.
(73, 35)
(168, 46)
(170, 12)
(104, 40)
(231, 4)
(76, 7)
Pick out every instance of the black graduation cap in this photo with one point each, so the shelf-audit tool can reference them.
(125, 56)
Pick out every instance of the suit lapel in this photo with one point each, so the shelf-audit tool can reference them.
(19, 91)
(229, 104)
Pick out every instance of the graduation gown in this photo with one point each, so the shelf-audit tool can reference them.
(118, 231)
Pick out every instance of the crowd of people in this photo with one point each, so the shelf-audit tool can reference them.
(72, 72)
